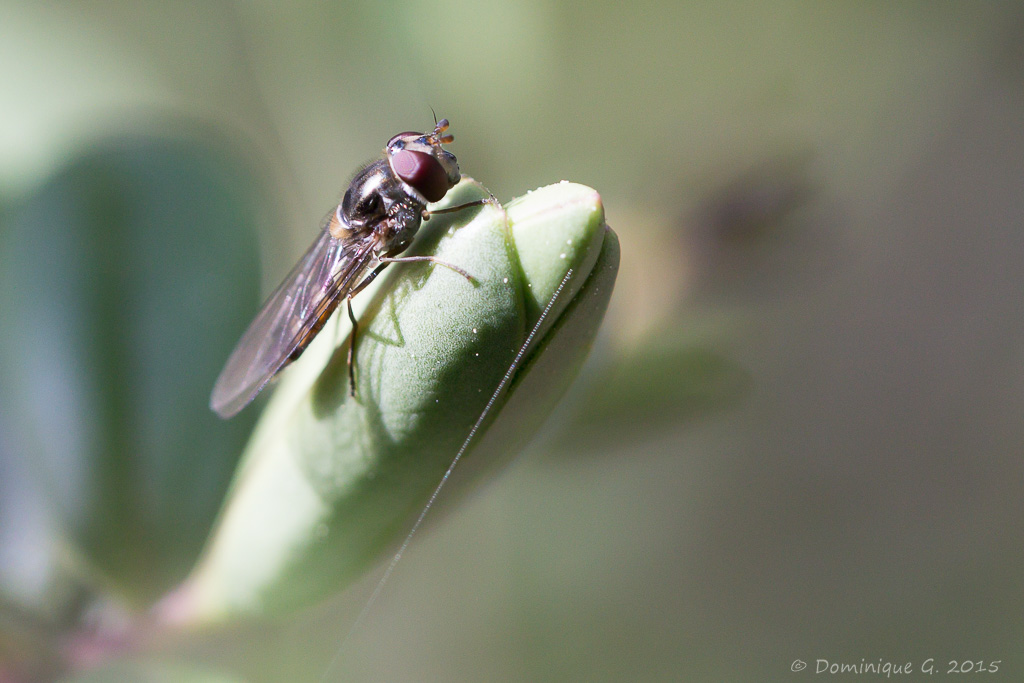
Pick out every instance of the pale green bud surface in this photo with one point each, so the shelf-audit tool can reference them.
(328, 482)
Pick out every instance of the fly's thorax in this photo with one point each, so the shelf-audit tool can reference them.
(397, 232)
(364, 202)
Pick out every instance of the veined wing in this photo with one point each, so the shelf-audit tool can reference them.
(291, 317)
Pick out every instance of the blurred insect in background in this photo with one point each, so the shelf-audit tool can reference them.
(376, 220)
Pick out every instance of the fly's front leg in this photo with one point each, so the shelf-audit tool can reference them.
(452, 209)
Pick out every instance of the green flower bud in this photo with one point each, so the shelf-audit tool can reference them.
(328, 482)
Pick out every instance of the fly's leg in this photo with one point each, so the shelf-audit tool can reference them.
(355, 326)
(350, 361)
(432, 259)
(460, 207)
(468, 205)
(384, 261)
(426, 216)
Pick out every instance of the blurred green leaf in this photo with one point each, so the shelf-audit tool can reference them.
(125, 279)
(658, 387)
(328, 482)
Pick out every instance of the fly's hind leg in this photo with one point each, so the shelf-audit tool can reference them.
(355, 326)
(351, 360)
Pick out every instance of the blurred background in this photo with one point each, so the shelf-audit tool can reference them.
(797, 439)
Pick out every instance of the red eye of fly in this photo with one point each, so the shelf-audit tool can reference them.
(423, 172)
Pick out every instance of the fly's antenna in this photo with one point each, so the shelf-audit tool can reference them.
(440, 127)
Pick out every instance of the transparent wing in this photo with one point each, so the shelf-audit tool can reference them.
(290, 318)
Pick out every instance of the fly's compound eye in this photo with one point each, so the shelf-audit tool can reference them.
(423, 172)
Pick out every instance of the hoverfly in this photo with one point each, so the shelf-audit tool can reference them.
(375, 221)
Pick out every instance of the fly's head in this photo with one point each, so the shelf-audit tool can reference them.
(420, 161)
